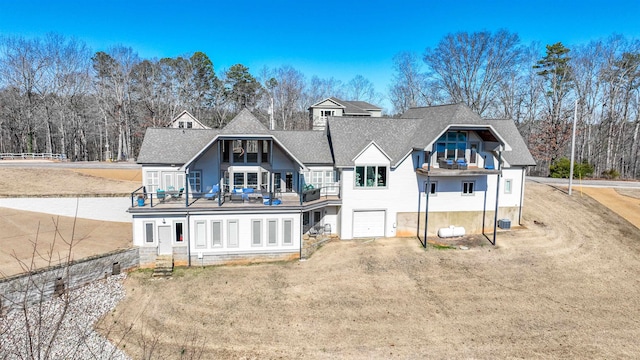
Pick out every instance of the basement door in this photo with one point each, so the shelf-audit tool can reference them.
(368, 223)
(164, 240)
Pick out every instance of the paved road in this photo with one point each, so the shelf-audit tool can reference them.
(69, 164)
(587, 183)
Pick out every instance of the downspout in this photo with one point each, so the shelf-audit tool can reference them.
(301, 236)
(418, 227)
(188, 240)
(426, 210)
(186, 188)
(521, 197)
(495, 215)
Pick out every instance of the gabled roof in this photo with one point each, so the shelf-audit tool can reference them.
(187, 114)
(519, 154)
(350, 135)
(311, 147)
(350, 107)
(419, 128)
(173, 145)
(181, 146)
(245, 123)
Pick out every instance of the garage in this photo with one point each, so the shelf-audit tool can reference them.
(368, 223)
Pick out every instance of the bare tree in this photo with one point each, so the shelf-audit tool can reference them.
(470, 68)
(410, 86)
(361, 89)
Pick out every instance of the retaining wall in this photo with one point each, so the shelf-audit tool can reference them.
(44, 283)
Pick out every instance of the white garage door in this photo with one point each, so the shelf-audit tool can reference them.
(369, 223)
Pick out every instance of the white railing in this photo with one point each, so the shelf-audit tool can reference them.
(33, 156)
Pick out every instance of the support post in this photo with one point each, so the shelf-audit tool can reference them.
(426, 210)
(495, 216)
(573, 145)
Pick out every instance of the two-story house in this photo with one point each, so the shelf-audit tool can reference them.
(331, 107)
(215, 195)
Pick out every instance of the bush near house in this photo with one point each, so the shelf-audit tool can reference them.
(611, 174)
(561, 169)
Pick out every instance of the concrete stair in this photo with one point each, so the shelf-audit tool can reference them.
(164, 266)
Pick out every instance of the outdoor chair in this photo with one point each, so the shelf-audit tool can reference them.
(446, 163)
(160, 194)
(213, 193)
(462, 164)
(178, 194)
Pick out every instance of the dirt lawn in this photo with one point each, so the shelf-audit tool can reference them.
(566, 285)
(21, 229)
(34, 181)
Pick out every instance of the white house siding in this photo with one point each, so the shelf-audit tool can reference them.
(401, 193)
(212, 253)
(166, 176)
(94, 208)
(404, 185)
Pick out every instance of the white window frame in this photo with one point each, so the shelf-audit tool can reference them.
(256, 232)
(434, 188)
(466, 192)
(213, 234)
(152, 181)
(284, 231)
(198, 235)
(195, 181)
(145, 232)
(375, 184)
(508, 186)
(175, 229)
(272, 241)
(233, 225)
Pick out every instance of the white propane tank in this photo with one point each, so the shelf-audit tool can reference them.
(451, 231)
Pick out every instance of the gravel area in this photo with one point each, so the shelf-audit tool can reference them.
(63, 327)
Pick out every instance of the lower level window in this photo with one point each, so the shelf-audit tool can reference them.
(433, 188)
(468, 187)
(256, 232)
(148, 232)
(179, 233)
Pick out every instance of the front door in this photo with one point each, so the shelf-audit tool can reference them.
(164, 240)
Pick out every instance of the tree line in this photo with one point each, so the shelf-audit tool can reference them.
(542, 88)
(57, 95)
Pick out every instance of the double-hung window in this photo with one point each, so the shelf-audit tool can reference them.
(371, 176)
(468, 187)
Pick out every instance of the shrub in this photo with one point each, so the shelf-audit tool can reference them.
(611, 174)
(560, 169)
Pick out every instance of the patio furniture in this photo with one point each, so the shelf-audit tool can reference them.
(310, 195)
(213, 193)
(178, 194)
(447, 163)
(462, 164)
(160, 194)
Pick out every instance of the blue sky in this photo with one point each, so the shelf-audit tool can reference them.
(339, 39)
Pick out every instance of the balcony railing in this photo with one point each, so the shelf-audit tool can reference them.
(224, 198)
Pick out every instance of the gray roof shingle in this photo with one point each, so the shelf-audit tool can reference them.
(519, 154)
(173, 146)
(350, 135)
(310, 147)
(415, 129)
(245, 123)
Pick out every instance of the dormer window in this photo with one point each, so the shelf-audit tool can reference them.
(371, 176)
